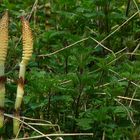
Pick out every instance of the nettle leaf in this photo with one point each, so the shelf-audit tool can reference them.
(58, 34)
(101, 114)
(75, 87)
(84, 123)
(27, 99)
(117, 16)
(120, 111)
(64, 99)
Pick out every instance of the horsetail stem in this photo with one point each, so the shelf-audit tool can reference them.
(27, 53)
(3, 54)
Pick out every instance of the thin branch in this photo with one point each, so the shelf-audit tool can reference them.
(19, 131)
(62, 49)
(132, 53)
(128, 98)
(124, 77)
(103, 46)
(65, 82)
(129, 115)
(122, 97)
(120, 50)
(28, 18)
(40, 120)
(136, 5)
(137, 47)
(106, 64)
(56, 135)
(103, 137)
(118, 28)
(50, 125)
(32, 119)
(132, 99)
(42, 124)
(115, 59)
(11, 116)
(107, 84)
(32, 10)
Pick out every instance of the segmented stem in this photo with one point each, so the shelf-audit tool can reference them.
(3, 54)
(27, 53)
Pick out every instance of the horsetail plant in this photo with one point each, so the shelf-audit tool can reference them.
(3, 54)
(27, 40)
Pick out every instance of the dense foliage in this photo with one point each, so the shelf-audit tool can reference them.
(73, 80)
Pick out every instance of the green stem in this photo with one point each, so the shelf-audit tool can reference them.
(127, 9)
(2, 94)
(19, 98)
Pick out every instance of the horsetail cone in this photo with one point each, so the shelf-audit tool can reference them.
(27, 40)
(27, 53)
(3, 37)
(3, 54)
